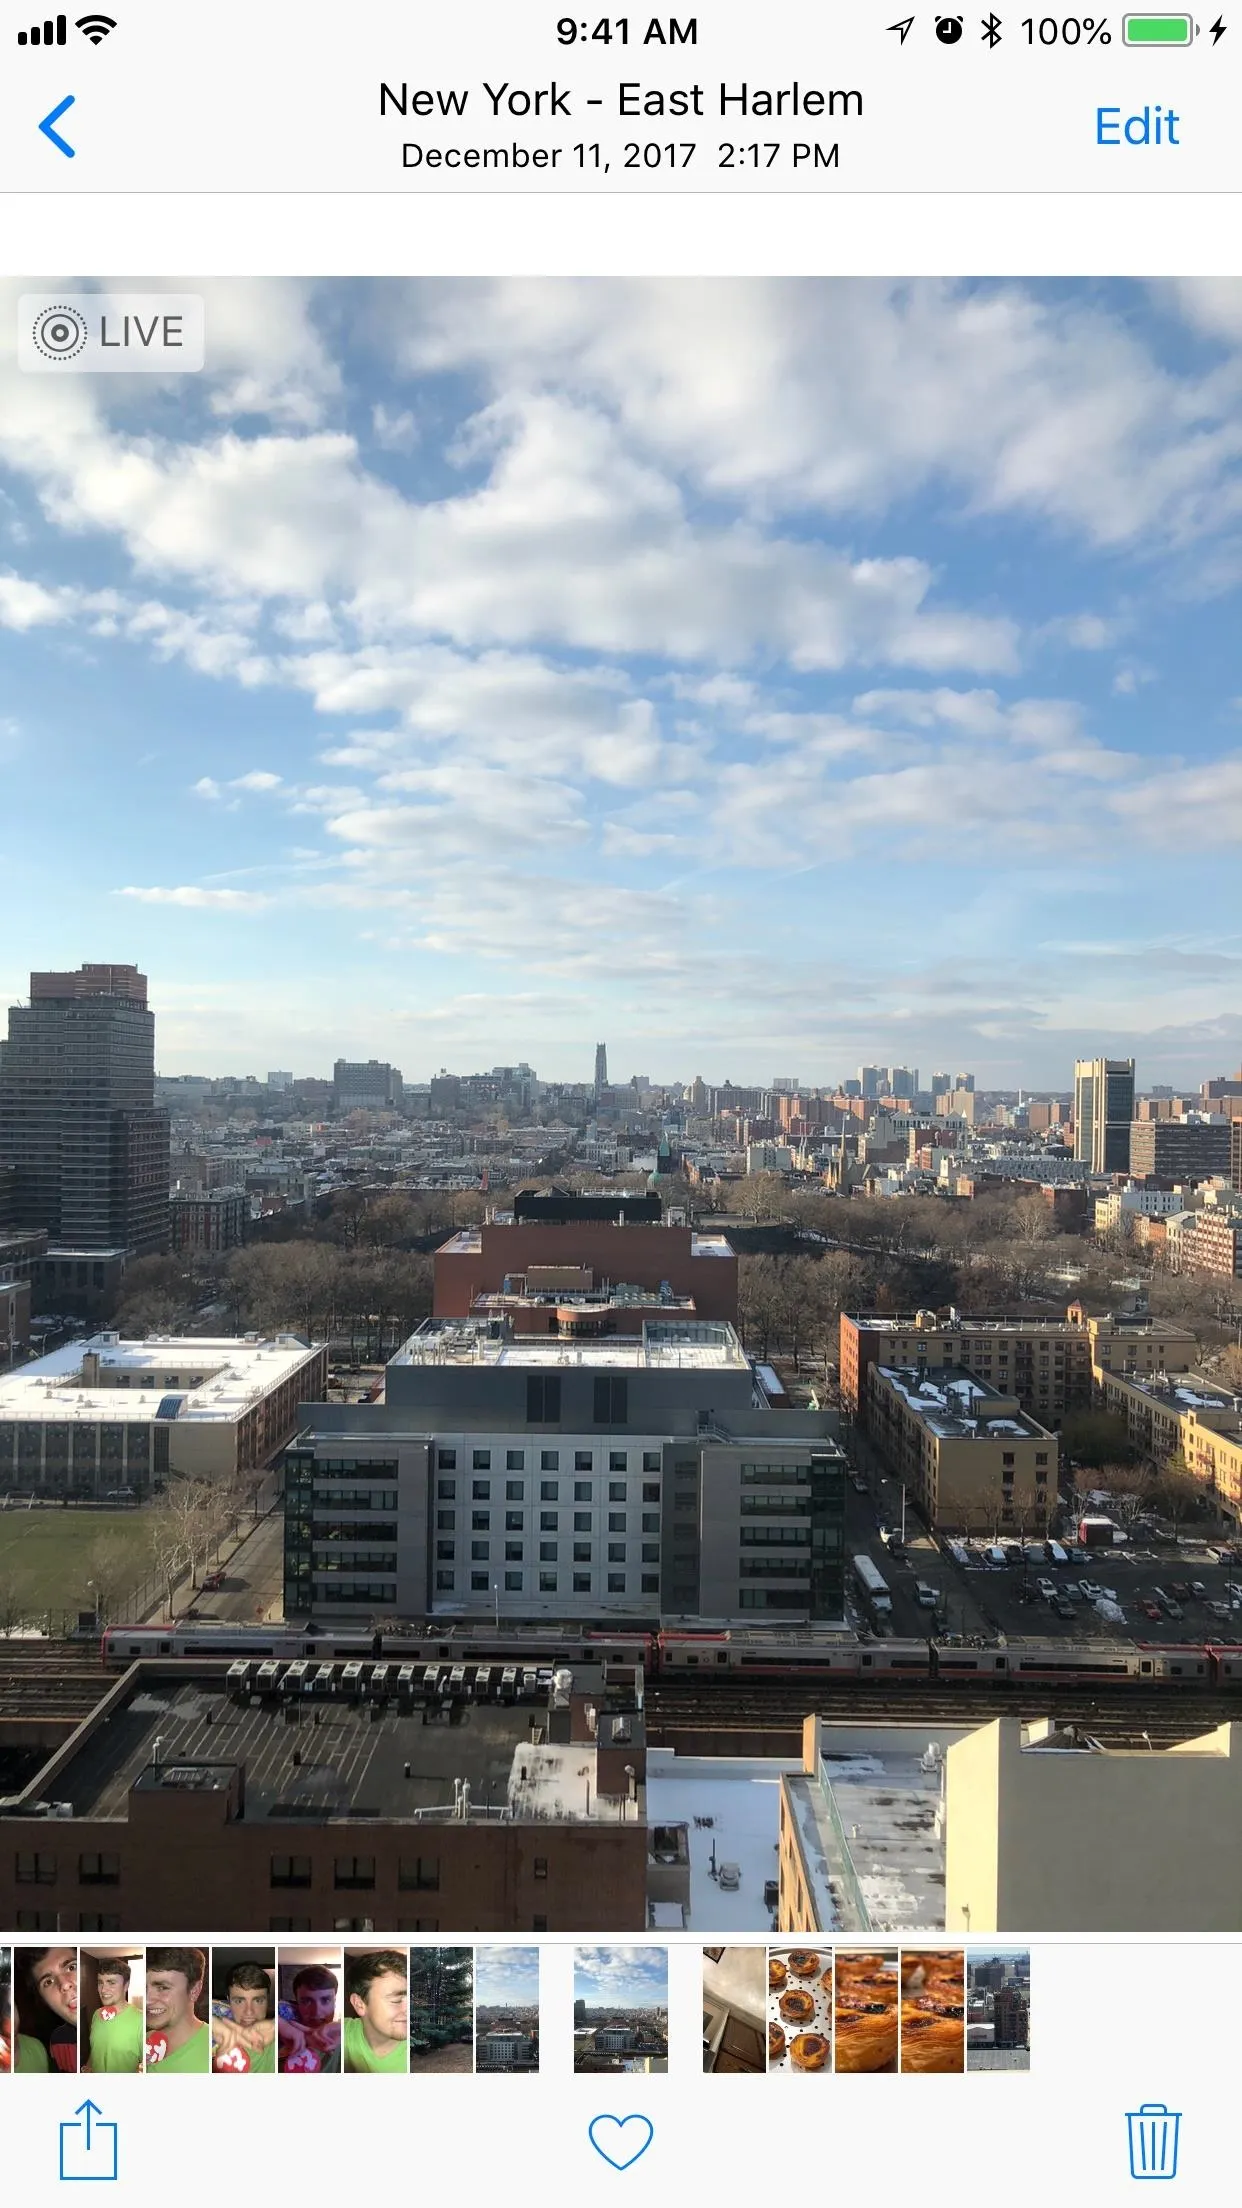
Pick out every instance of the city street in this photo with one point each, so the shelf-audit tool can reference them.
(253, 1587)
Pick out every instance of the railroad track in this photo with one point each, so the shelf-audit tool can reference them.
(1119, 1717)
(50, 1679)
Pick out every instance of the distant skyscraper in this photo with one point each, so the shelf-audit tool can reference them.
(369, 1085)
(869, 1079)
(280, 1080)
(1103, 1113)
(78, 1119)
(601, 1068)
(903, 1081)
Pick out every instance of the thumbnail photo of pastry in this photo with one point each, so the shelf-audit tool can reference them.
(800, 2010)
(933, 2010)
(867, 2010)
(998, 2008)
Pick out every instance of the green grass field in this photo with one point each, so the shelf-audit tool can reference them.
(48, 1555)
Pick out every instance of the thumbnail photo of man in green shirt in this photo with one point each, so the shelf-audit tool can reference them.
(243, 2012)
(377, 2010)
(115, 2029)
(178, 2036)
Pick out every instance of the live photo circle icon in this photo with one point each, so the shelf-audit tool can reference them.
(60, 332)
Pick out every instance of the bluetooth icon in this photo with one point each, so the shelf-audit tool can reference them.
(992, 30)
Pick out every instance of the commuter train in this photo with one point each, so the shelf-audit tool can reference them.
(746, 1652)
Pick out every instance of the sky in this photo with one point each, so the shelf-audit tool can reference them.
(764, 677)
(621, 1977)
(506, 1976)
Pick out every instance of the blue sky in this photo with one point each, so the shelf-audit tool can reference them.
(621, 1977)
(766, 677)
(504, 1975)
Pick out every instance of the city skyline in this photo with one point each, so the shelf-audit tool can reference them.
(461, 671)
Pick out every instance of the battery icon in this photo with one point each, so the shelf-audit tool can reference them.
(1157, 30)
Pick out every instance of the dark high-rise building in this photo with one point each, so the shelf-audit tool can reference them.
(1235, 1152)
(1011, 2017)
(1178, 1149)
(1103, 1113)
(601, 1068)
(78, 1120)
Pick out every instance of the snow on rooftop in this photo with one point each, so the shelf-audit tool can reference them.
(740, 1796)
(215, 1379)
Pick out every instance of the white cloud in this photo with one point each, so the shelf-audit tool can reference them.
(201, 900)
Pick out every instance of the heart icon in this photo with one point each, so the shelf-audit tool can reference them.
(607, 2136)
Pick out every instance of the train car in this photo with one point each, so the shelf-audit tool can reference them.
(1226, 1665)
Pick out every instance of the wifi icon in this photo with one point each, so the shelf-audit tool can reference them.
(96, 27)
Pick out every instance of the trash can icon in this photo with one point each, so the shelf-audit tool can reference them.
(1153, 2140)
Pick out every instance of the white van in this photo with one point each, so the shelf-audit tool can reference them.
(925, 1594)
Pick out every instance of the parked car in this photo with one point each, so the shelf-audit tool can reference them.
(1047, 1588)
(1198, 1590)
(1151, 1609)
(1219, 1609)
(1063, 1608)
(1180, 1588)
(1173, 1609)
(1091, 1588)
(213, 1583)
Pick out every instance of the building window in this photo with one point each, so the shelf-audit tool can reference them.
(515, 1460)
(478, 1583)
(549, 1491)
(481, 1460)
(1007, 1456)
(351, 1873)
(38, 1920)
(651, 1552)
(541, 1866)
(616, 1521)
(479, 1552)
(446, 1460)
(547, 1583)
(444, 1583)
(616, 1552)
(418, 1874)
(446, 1551)
(96, 1923)
(539, 1924)
(651, 1491)
(1041, 1456)
(289, 1924)
(543, 1399)
(582, 1491)
(447, 1491)
(651, 1460)
(515, 1491)
(547, 1552)
(515, 1521)
(616, 1583)
(582, 1583)
(616, 1491)
(617, 1460)
(651, 1583)
(446, 1520)
(481, 1490)
(290, 1870)
(582, 1521)
(651, 1521)
(480, 1521)
(99, 1870)
(583, 1460)
(548, 1522)
(513, 1552)
(513, 1583)
(582, 1552)
(611, 1399)
(36, 1870)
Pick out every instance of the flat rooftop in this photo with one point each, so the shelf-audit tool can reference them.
(468, 1241)
(700, 1344)
(956, 1407)
(186, 1377)
(349, 1764)
(1181, 1391)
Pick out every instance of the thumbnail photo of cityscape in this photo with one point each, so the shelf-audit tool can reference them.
(506, 2010)
(998, 2009)
(620, 2009)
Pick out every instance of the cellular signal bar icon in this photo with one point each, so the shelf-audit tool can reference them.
(51, 33)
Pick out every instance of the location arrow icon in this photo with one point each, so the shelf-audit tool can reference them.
(903, 28)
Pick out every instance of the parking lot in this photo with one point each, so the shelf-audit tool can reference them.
(986, 1600)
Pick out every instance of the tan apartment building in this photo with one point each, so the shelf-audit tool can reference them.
(971, 1457)
(1046, 1363)
(1007, 1827)
(1042, 1837)
(1182, 1412)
